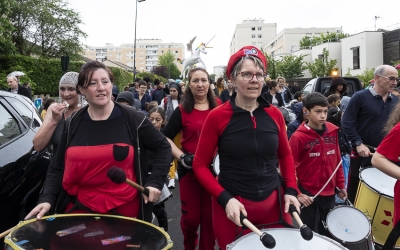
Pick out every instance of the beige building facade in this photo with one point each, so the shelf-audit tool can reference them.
(147, 53)
(252, 32)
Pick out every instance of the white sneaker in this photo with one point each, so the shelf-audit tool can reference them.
(171, 183)
(176, 176)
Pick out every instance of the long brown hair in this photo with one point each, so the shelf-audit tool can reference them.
(219, 83)
(394, 118)
(188, 101)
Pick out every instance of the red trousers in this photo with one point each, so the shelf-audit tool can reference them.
(262, 212)
(196, 211)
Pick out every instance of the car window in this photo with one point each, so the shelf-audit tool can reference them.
(22, 109)
(350, 88)
(9, 128)
(307, 89)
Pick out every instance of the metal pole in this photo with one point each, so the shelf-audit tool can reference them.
(134, 47)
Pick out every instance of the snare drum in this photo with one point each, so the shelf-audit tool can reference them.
(286, 239)
(375, 199)
(216, 164)
(351, 227)
(87, 231)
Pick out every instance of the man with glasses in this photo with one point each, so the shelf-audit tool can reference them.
(364, 119)
(142, 95)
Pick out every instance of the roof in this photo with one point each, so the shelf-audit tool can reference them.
(110, 63)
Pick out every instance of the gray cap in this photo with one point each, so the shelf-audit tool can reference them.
(69, 78)
(126, 96)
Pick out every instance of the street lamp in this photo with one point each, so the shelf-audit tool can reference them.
(134, 45)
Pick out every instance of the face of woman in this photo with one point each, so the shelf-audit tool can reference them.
(98, 92)
(199, 84)
(68, 94)
(339, 87)
(156, 119)
(248, 89)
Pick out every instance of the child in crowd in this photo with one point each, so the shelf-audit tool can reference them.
(157, 117)
(316, 154)
(334, 116)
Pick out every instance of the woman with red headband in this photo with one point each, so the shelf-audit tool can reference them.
(251, 139)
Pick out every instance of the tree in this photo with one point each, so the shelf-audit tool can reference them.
(161, 71)
(291, 66)
(271, 65)
(168, 60)
(366, 76)
(6, 27)
(212, 77)
(174, 72)
(46, 28)
(305, 42)
(321, 67)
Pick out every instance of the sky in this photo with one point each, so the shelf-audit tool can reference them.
(179, 21)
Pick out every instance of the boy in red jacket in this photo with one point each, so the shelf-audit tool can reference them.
(316, 154)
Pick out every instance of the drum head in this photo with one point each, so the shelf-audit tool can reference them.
(286, 239)
(379, 181)
(348, 224)
(87, 231)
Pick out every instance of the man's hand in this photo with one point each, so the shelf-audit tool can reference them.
(154, 195)
(363, 150)
(305, 200)
(343, 194)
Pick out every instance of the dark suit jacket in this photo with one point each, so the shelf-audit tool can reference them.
(278, 97)
(23, 91)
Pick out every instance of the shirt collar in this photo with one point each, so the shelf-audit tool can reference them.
(376, 95)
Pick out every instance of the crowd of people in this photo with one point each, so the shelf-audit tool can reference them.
(157, 135)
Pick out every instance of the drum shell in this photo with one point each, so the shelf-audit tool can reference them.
(44, 233)
(286, 239)
(377, 205)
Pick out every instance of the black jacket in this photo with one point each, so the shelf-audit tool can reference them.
(294, 89)
(332, 88)
(278, 97)
(23, 91)
(144, 137)
(287, 95)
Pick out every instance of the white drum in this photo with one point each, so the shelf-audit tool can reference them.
(216, 164)
(350, 226)
(286, 239)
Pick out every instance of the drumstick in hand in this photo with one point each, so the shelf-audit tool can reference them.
(117, 175)
(3, 234)
(305, 231)
(267, 240)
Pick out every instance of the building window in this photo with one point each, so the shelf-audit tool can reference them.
(259, 28)
(321, 57)
(259, 36)
(253, 36)
(356, 57)
(176, 51)
(253, 28)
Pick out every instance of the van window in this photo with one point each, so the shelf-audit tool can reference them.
(9, 127)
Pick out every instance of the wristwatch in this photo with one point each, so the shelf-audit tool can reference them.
(357, 142)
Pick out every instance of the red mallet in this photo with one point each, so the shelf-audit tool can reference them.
(117, 175)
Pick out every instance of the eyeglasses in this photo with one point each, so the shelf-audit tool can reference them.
(70, 89)
(247, 75)
(391, 78)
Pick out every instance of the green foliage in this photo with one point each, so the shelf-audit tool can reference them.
(395, 63)
(6, 27)
(366, 76)
(151, 76)
(174, 72)
(291, 66)
(321, 67)
(308, 42)
(46, 28)
(121, 77)
(271, 68)
(212, 77)
(168, 60)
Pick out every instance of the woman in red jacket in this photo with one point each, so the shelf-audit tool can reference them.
(251, 138)
(188, 119)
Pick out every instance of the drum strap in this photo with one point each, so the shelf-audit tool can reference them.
(392, 238)
(79, 206)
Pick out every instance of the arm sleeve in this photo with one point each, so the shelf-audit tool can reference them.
(53, 183)
(349, 120)
(206, 147)
(285, 157)
(174, 124)
(156, 142)
(386, 147)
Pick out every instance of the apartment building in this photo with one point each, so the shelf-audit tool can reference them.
(252, 32)
(147, 53)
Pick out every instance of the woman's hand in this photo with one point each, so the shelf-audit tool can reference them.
(305, 200)
(57, 110)
(154, 195)
(39, 211)
(290, 199)
(233, 209)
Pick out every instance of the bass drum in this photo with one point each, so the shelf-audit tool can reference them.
(87, 231)
(286, 239)
(216, 164)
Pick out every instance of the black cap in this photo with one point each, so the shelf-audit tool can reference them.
(126, 96)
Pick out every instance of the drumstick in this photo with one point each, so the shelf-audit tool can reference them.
(117, 175)
(305, 231)
(267, 240)
(3, 234)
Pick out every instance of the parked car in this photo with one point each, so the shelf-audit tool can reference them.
(22, 170)
(321, 84)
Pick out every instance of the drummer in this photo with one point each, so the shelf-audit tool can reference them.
(251, 138)
(99, 136)
(316, 153)
(386, 157)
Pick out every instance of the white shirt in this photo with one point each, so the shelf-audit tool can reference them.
(174, 104)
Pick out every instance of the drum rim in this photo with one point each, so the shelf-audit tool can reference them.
(229, 246)
(369, 186)
(352, 242)
(8, 239)
(214, 166)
